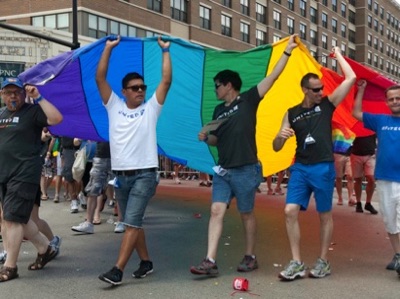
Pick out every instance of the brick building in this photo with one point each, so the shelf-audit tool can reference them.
(366, 30)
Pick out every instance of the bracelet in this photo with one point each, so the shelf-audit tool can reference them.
(164, 50)
(287, 54)
(38, 99)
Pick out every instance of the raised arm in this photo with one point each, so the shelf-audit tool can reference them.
(268, 81)
(166, 79)
(357, 108)
(102, 68)
(54, 116)
(349, 79)
(284, 134)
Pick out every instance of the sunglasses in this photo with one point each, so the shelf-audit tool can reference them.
(318, 89)
(391, 100)
(136, 88)
(16, 92)
(217, 85)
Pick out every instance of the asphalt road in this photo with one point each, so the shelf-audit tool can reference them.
(176, 229)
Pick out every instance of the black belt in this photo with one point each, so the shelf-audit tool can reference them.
(134, 171)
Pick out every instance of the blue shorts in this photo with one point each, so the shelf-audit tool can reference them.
(133, 193)
(240, 182)
(314, 178)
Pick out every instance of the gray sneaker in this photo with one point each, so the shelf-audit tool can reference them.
(395, 263)
(293, 270)
(321, 269)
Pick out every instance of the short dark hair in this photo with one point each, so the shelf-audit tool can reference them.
(393, 87)
(306, 79)
(228, 76)
(131, 76)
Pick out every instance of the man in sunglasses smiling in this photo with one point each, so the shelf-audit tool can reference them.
(313, 170)
(134, 158)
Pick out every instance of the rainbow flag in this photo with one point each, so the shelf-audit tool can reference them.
(68, 81)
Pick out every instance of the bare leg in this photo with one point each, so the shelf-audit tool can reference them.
(215, 227)
(250, 229)
(42, 225)
(395, 242)
(293, 229)
(370, 188)
(326, 230)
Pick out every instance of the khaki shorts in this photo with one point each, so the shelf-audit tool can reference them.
(342, 165)
(362, 165)
(389, 196)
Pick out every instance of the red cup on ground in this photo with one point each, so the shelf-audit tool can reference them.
(240, 284)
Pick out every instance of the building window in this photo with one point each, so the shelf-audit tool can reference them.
(376, 8)
(343, 9)
(370, 4)
(97, 26)
(260, 37)
(343, 30)
(205, 17)
(352, 36)
(277, 19)
(303, 8)
(303, 31)
(369, 40)
(334, 5)
(313, 37)
(376, 43)
(343, 49)
(290, 4)
(260, 13)
(369, 21)
(179, 10)
(352, 17)
(324, 20)
(313, 15)
(325, 3)
(381, 46)
(376, 24)
(244, 32)
(334, 26)
(352, 54)
(324, 39)
(227, 3)
(382, 13)
(226, 25)
(334, 65)
(154, 5)
(290, 24)
(244, 7)
(59, 21)
(369, 58)
(276, 38)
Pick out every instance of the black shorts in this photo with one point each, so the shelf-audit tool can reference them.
(17, 199)
(69, 159)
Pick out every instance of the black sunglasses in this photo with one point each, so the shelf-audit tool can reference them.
(137, 87)
(217, 85)
(318, 89)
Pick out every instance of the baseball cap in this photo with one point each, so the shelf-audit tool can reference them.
(12, 81)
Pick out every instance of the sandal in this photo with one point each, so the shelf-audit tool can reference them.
(96, 221)
(43, 259)
(44, 197)
(8, 273)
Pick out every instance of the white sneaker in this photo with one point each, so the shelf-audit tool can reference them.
(84, 227)
(74, 206)
(82, 200)
(119, 227)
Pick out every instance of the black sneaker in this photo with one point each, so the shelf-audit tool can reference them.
(359, 208)
(370, 208)
(395, 263)
(114, 276)
(145, 267)
(247, 264)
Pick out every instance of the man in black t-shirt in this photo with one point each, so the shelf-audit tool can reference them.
(21, 127)
(238, 173)
(313, 170)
